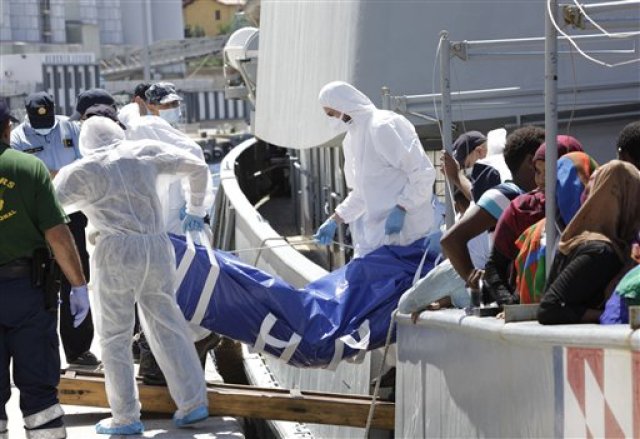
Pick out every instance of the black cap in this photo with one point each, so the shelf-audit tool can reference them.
(162, 93)
(105, 111)
(40, 108)
(5, 112)
(89, 98)
(466, 143)
(141, 89)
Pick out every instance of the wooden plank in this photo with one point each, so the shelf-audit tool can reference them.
(87, 389)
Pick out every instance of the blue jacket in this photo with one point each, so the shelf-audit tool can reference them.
(56, 149)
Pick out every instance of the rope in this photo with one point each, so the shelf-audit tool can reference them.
(387, 343)
(288, 244)
(433, 84)
(436, 60)
(580, 51)
(376, 390)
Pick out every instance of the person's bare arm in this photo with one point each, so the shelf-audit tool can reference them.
(455, 175)
(454, 242)
(64, 249)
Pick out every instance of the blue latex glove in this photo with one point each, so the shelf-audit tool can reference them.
(432, 242)
(326, 232)
(79, 304)
(183, 212)
(395, 221)
(192, 223)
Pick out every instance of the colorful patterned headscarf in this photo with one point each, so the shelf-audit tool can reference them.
(528, 209)
(573, 173)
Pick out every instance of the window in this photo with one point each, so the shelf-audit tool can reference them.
(217, 15)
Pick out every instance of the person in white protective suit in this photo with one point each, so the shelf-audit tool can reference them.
(163, 109)
(134, 262)
(156, 126)
(386, 169)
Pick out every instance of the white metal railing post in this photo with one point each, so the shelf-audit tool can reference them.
(606, 6)
(551, 128)
(445, 89)
(386, 98)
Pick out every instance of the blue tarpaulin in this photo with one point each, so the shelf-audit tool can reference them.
(338, 316)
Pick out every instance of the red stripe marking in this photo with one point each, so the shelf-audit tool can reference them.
(595, 360)
(575, 374)
(612, 429)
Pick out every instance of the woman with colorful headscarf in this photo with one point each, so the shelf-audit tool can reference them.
(573, 173)
(522, 212)
(595, 248)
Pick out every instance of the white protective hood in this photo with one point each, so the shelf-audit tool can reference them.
(385, 165)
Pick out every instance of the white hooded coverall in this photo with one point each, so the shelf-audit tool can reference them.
(172, 197)
(384, 165)
(134, 261)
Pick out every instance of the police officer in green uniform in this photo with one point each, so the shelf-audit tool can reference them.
(31, 218)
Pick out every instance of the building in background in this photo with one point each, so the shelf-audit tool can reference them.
(64, 47)
(28, 26)
(210, 17)
(63, 75)
(55, 45)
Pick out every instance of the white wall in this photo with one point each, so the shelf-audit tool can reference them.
(26, 68)
(303, 45)
(460, 376)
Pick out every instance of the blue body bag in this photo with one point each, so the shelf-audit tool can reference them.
(339, 316)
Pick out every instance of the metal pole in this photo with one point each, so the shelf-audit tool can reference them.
(606, 6)
(467, 94)
(526, 41)
(145, 40)
(445, 89)
(551, 129)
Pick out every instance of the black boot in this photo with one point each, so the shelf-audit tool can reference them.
(149, 370)
(205, 345)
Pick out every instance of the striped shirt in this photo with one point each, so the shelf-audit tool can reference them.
(497, 199)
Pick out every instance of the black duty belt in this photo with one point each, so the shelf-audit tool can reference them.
(16, 268)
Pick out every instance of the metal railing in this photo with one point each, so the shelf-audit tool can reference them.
(161, 54)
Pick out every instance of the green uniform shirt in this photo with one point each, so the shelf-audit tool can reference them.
(28, 205)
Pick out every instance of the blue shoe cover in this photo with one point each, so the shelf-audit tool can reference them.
(196, 415)
(106, 426)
